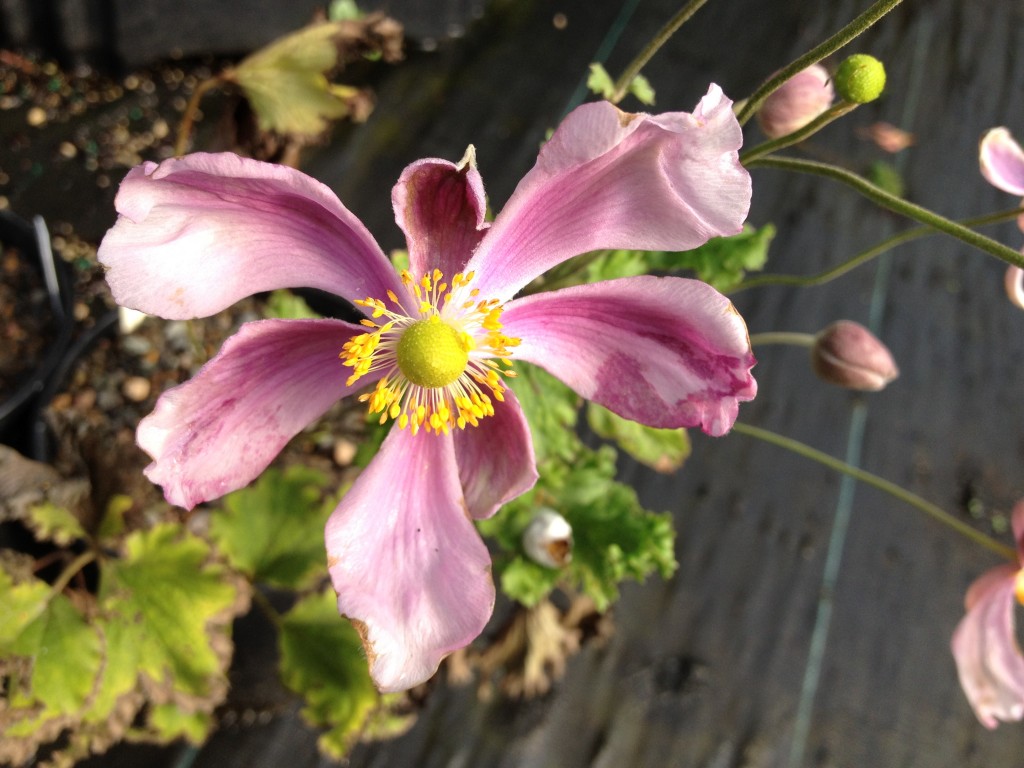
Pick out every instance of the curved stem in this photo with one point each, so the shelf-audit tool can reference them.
(265, 607)
(792, 338)
(813, 56)
(896, 204)
(69, 572)
(873, 252)
(832, 113)
(898, 491)
(188, 117)
(663, 36)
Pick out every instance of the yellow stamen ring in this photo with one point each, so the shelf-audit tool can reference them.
(439, 360)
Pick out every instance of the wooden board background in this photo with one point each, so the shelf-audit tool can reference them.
(710, 668)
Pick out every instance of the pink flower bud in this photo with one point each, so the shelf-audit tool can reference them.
(848, 354)
(800, 99)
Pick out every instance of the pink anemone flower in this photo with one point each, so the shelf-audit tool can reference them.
(988, 657)
(438, 341)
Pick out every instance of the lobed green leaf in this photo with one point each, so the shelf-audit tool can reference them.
(273, 530)
(322, 660)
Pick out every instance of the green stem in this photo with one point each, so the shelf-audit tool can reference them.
(889, 243)
(896, 204)
(69, 573)
(663, 36)
(783, 337)
(265, 606)
(832, 113)
(838, 40)
(899, 492)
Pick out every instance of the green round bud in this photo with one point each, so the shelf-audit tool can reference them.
(860, 79)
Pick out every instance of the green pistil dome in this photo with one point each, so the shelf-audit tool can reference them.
(431, 353)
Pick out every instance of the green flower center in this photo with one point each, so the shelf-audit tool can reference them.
(432, 353)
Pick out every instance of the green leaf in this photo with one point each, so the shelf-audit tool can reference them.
(662, 449)
(273, 530)
(642, 90)
(20, 605)
(171, 722)
(112, 525)
(723, 261)
(322, 659)
(284, 304)
(285, 81)
(176, 605)
(600, 82)
(64, 651)
(52, 523)
(551, 410)
(614, 537)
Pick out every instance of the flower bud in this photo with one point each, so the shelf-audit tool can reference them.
(548, 539)
(848, 354)
(797, 102)
(860, 79)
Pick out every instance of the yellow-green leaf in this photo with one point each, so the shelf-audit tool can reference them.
(65, 655)
(52, 523)
(285, 81)
(176, 604)
(662, 449)
(322, 659)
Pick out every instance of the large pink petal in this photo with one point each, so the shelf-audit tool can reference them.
(988, 659)
(197, 233)
(496, 461)
(440, 206)
(407, 563)
(609, 179)
(663, 351)
(216, 432)
(1002, 161)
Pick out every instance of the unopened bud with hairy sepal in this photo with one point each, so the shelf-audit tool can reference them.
(860, 79)
(848, 354)
(797, 102)
(548, 539)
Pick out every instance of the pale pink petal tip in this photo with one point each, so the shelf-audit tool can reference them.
(409, 568)
(666, 352)
(988, 657)
(611, 179)
(195, 234)
(1002, 161)
(1014, 284)
(216, 432)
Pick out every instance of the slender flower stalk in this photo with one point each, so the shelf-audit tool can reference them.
(761, 150)
(191, 110)
(805, 281)
(662, 37)
(852, 30)
(887, 486)
(793, 338)
(894, 203)
(71, 570)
